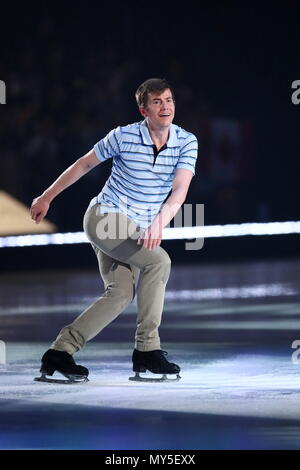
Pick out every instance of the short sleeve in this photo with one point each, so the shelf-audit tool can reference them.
(109, 146)
(188, 154)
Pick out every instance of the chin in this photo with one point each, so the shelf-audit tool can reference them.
(166, 122)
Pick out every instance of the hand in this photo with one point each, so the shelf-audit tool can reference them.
(39, 208)
(152, 236)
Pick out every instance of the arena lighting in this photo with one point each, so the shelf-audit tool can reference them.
(176, 233)
(233, 230)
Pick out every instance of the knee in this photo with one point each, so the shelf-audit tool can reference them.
(165, 260)
(124, 293)
(166, 271)
(164, 265)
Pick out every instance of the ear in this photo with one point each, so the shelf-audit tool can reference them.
(143, 111)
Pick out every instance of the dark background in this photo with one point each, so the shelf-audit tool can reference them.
(71, 70)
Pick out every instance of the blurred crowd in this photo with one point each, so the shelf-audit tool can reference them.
(61, 100)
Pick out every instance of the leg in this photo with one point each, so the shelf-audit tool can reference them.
(150, 301)
(119, 282)
(154, 267)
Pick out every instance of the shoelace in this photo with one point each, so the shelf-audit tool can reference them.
(164, 354)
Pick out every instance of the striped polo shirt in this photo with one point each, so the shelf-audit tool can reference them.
(141, 179)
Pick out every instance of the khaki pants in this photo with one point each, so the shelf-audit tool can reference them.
(122, 262)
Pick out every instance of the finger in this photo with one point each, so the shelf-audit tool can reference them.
(39, 217)
(155, 244)
(150, 245)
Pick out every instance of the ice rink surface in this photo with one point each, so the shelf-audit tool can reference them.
(229, 327)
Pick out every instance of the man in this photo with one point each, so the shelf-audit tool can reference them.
(151, 158)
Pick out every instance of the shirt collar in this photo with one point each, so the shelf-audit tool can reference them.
(146, 138)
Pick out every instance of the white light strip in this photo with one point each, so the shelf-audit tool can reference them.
(176, 233)
(68, 238)
(234, 230)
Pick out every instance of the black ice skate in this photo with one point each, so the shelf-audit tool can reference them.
(155, 362)
(64, 363)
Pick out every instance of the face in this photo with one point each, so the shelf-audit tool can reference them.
(160, 109)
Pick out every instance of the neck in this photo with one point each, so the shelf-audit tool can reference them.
(159, 135)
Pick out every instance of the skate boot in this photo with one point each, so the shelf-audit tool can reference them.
(64, 363)
(155, 362)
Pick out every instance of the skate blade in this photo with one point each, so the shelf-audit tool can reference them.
(71, 380)
(164, 378)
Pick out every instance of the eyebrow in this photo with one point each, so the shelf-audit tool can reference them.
(168, 98)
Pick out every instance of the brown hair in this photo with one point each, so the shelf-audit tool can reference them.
(150, 85)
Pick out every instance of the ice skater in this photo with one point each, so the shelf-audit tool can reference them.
(153, 165)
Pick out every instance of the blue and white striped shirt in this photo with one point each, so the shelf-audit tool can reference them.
(139, 183)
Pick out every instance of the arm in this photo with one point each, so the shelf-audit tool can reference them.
(40, 205)
(153, 234)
